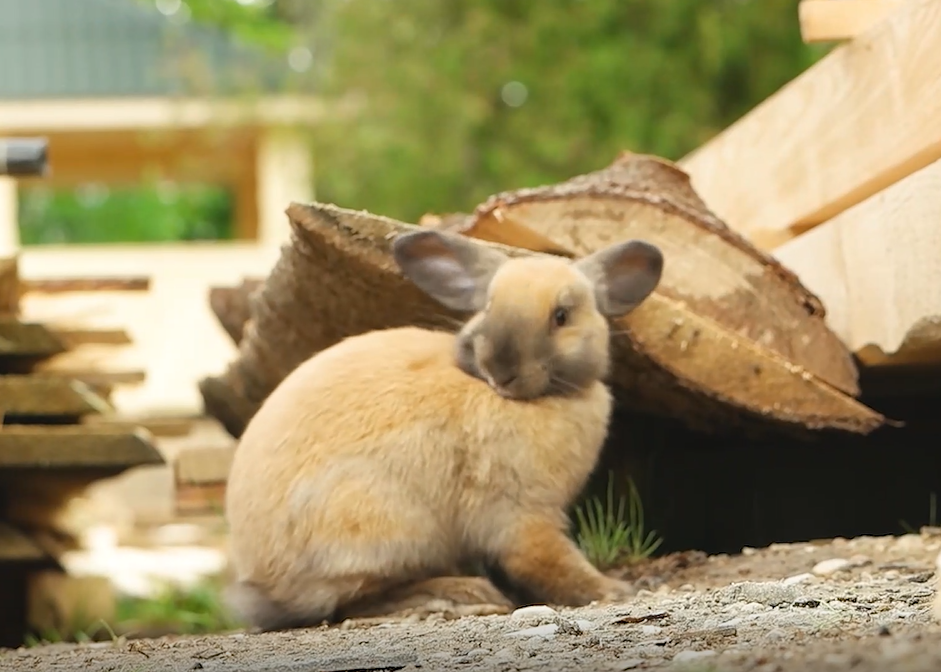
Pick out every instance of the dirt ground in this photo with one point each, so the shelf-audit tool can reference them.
(863, 604)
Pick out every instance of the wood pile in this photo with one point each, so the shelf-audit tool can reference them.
(49, 451)
(730, 341)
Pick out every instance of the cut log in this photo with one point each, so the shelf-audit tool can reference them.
(27, 340)
(231, 306)
(75, 447)
(834, 20)
(346, 255)
(9, 286)
(34, 396)
(855, 122)
(710, 272)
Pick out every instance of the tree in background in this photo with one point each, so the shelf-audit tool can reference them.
(469, 97)
(459, 99)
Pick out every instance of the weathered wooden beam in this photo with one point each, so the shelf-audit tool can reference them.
(836, 20)
(876, 269)
(47, 396)
(860, 119)
(28, 339)
(75, 447)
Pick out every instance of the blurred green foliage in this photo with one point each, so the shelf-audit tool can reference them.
(149, 213)
(461, 99)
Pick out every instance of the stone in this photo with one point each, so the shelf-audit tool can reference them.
(797, 579)
(547, 631)
(689, 655)
(534, 611)
(831, 566)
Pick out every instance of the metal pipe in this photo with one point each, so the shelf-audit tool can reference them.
(24, 157)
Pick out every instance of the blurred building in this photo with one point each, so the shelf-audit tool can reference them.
(128, 90)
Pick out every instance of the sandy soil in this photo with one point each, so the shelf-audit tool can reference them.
(862, 604)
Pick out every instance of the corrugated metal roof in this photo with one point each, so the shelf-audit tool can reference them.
(109, 48)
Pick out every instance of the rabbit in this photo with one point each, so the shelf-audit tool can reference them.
(387, 464)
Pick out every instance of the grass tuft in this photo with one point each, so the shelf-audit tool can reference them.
(612, 533)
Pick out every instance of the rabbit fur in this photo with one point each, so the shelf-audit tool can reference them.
(386, 466)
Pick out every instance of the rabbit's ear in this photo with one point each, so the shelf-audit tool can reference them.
(451, 268)
(623, 275)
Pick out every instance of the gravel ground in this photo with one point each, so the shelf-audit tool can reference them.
(863, 604)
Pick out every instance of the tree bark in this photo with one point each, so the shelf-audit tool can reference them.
(231, 306)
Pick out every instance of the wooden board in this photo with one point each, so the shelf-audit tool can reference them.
(158, 426)
(75, 447)
(876, 269)
(44, 396)
(73, 337)
(210, 464)
(97, 364)
(27, 339)
(862, 118)
(17, 547)
(9, 286)
(87, 284)
(834, 20)
(199, 499)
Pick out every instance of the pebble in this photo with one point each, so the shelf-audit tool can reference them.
(770, 593)
(776, 634)
(797, 578)
(546, 631)
(534, 611)
(584, 624)
(831, 566)
(651, 629)
(689, 655)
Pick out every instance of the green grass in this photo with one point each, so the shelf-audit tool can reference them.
(174, 610)
(611, 533)
(197, 610)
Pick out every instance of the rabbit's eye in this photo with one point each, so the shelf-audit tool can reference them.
(560, 317)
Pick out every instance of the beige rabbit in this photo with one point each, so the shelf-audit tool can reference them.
(383, 467)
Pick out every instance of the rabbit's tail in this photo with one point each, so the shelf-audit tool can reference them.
(453, 596)
(262, 613)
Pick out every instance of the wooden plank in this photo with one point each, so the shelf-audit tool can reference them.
(835, 20)
(210, 464)
(73, 337)
(9, 286)
(863, 117)
(58, 602)
(87, 284)
(875, 267)
(199, 499)
(75, 447)
(158, 426)
(97, 363)
(28, 339)
(44, 396)
(17, 547)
